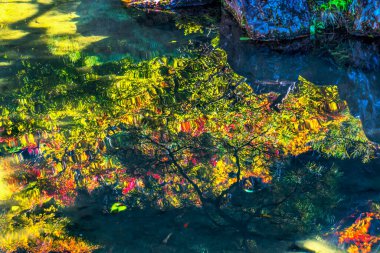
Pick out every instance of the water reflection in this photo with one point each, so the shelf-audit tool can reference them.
(101, 30)
(351, 64)
(137, 120)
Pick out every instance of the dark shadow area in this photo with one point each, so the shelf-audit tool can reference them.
(189, 229)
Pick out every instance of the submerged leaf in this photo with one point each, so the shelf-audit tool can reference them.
(118, 207)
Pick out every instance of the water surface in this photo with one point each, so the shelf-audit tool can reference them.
(101, 105)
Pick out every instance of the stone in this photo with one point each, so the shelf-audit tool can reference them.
(268, 20)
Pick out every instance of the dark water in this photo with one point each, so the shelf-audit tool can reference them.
(73, 52)
(351, 63)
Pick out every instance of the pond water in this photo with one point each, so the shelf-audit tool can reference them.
(123, 130)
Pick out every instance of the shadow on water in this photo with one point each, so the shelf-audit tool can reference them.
(189, 230)
(185, 230)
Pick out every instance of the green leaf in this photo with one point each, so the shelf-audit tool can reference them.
(118, 207)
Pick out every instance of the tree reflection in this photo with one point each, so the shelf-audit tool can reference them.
(170, 133)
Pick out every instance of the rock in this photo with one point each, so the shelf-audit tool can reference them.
(166, 4)
(272, 60)
(268, 20)
(366, 18)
